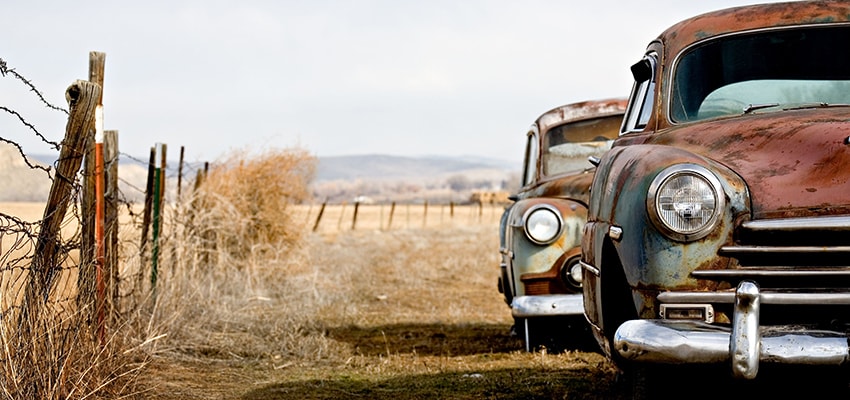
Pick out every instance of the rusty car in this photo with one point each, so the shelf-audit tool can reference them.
(718, 232)
(540, 232)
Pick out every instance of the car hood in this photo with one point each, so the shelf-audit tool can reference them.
(796, 162)
(575, 186)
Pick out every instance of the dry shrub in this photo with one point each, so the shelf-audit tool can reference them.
(233, 267)
(246, 199)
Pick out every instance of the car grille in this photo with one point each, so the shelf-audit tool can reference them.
(816, 248)
(802, 265)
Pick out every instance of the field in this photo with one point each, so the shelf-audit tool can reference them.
(401, 313)
(405, 312)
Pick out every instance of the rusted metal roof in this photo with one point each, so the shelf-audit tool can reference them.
(752, 17)
(580, 111)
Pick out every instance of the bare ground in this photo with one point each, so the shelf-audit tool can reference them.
(398, 315)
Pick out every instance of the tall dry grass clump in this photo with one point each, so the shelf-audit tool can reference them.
(49, 347)
(247, 199)
(235, 252)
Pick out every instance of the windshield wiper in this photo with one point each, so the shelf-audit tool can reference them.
(822, 104)
(752, 107)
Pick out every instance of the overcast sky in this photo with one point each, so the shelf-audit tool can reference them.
(410, 78)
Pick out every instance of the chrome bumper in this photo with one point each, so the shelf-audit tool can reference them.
(745, 344)
(547, 305)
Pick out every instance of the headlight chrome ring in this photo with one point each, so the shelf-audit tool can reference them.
(542, 224)
(685, 201)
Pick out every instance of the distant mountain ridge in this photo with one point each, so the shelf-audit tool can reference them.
(379, 166)
(375, 171)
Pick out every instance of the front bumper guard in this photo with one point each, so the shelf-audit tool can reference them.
(744, 345)
(548, 305)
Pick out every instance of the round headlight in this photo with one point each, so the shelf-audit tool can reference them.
(685, 201)
(542, 224)
(571, 273)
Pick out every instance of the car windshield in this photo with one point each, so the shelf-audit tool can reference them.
(766, 70)
(566, 147)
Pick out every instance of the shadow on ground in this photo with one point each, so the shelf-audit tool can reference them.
(428, 339)
(514, 383)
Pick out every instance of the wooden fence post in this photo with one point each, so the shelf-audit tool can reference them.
(45, 267)
(110, 148)
(319, 217)
(392, 211)
(354, 219)
(425, 215)
(341, 214)
(146, 214)
(180, 172)
(159, 185)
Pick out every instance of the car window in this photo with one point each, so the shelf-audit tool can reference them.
(642, 97)
(531, 155)
(566, 147)
(779, 68)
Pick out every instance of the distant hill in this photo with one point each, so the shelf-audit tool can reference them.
(21, 182)
(386, 178)
(338, 178)
(387, 167)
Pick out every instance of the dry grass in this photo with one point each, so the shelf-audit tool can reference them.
(401, 314)
(250, 304)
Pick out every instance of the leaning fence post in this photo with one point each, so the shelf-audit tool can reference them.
(45, 267)
(392, 211)
(319, 217)
(146, 214)
(354, 219)
(180, 173)
(82, 97)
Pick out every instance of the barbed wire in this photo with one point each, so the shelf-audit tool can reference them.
(4, 70)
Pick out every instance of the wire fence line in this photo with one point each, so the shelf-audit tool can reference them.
(341, 217)
(55, 286)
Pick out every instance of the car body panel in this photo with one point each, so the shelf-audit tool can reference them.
(782, 235)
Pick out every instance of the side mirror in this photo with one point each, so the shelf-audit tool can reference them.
(642, 70)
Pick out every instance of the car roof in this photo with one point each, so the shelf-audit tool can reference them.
(752, 17)
(580, 111)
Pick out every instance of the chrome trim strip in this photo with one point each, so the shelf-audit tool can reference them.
(727, 250)
(799, 224)
(547, 305)
(766, 298)
(731, 273)
(589, 268)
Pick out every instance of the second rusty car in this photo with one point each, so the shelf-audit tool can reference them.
(718, 232)
(540, 233)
